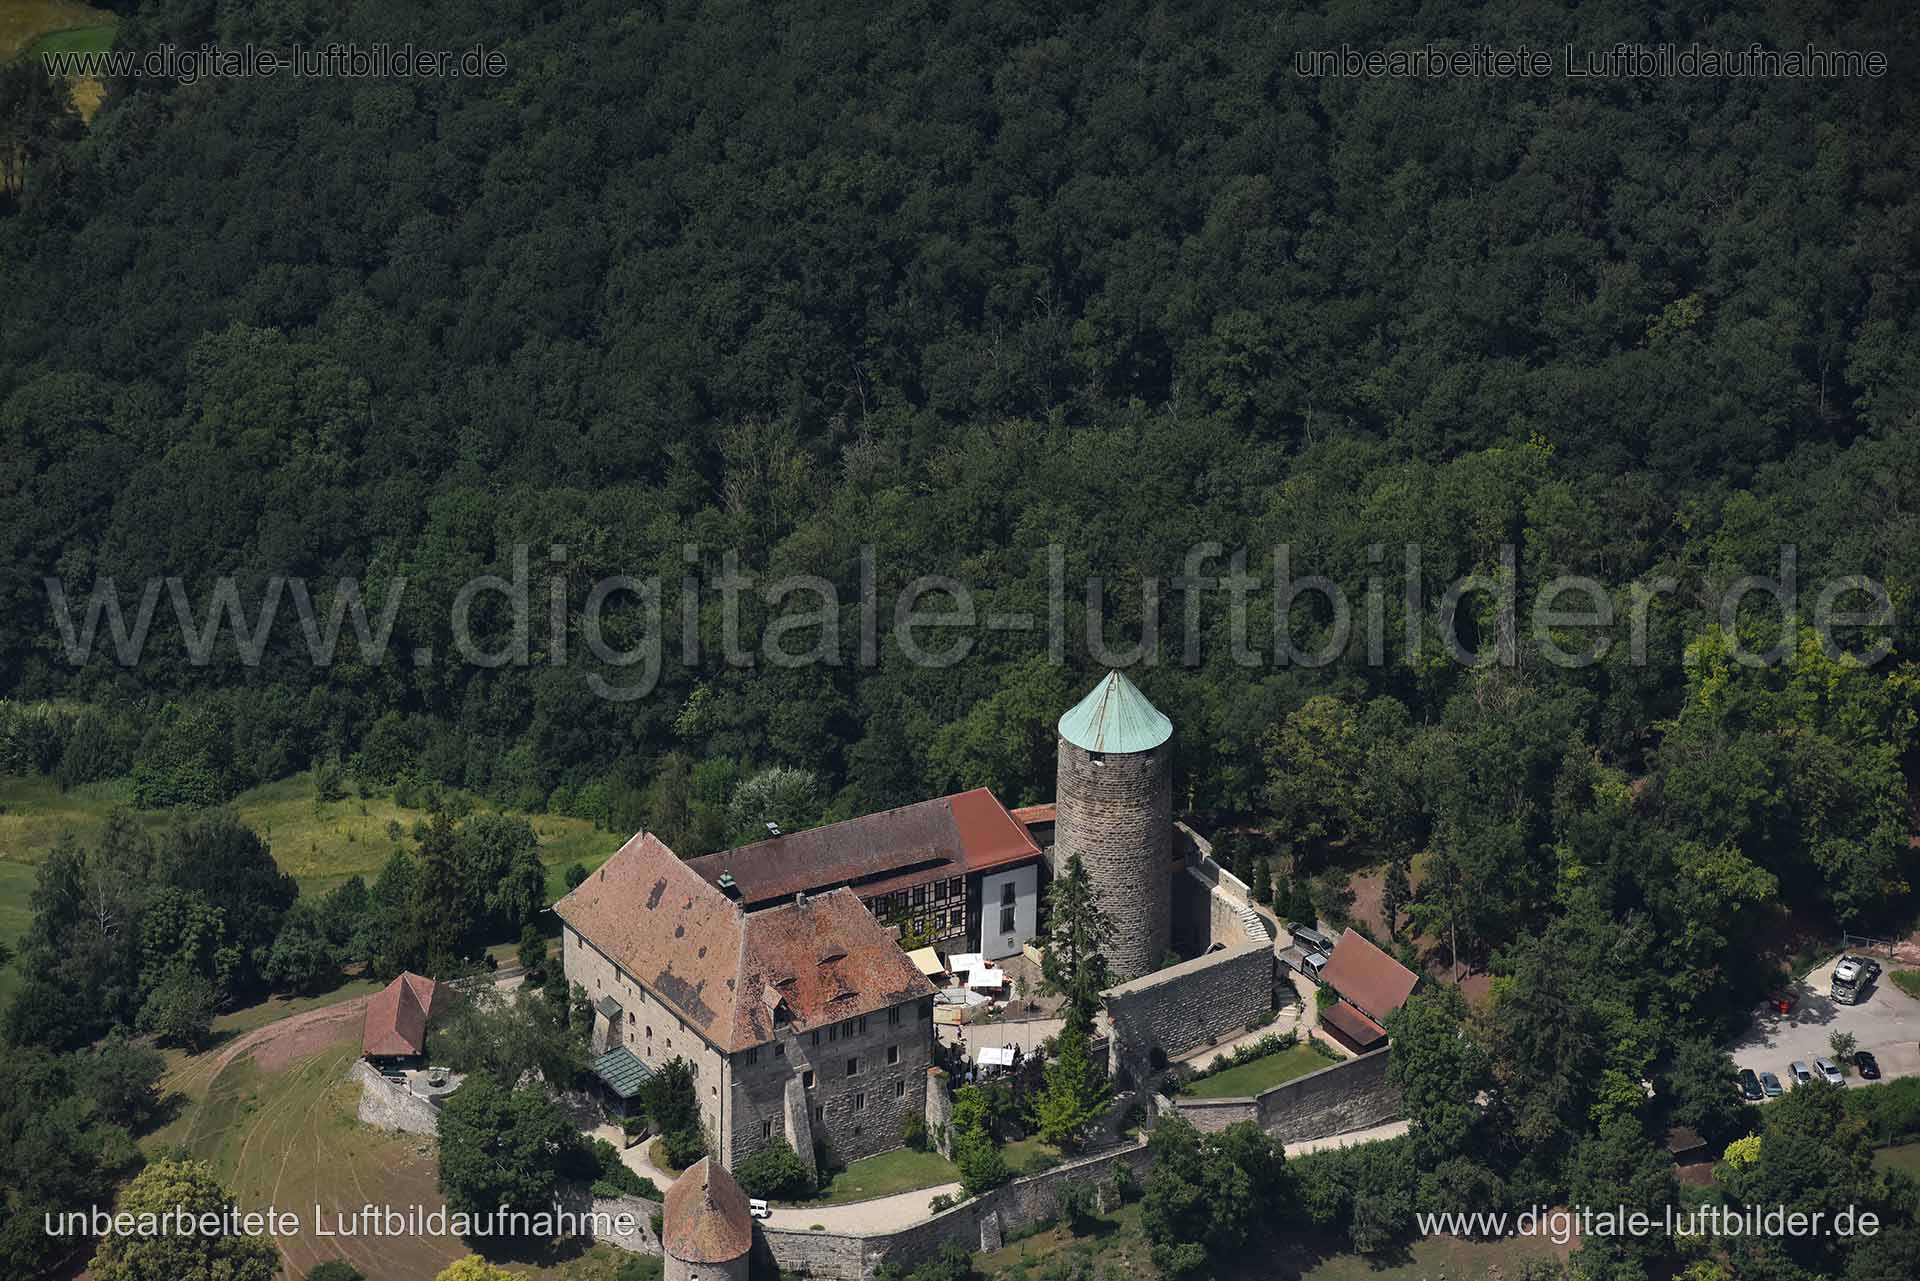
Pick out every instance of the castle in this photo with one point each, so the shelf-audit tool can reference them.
(776, 969)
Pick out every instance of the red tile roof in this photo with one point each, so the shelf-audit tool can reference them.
(1359, 1031)
(705, 1218)
(713, 963)
(1032, 814)
(967, 832)
(1375, 982)
(397, 1015)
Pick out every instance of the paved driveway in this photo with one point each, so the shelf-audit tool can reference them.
(1887, 1023)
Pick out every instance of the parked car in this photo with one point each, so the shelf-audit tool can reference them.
(1868, 1065)
(758, 1208)
(1799, 1072)
(1828, 1072)
(1770, 1085)
(1750, 1086)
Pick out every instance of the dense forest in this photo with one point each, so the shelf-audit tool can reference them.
(1019, 293)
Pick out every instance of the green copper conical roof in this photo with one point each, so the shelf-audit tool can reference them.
(1115, 717)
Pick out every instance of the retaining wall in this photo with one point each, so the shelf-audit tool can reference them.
(1194, 1003)
(386, 1106)
(1353, 1095)
(980, 1224)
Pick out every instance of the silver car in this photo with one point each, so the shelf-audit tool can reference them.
(1797, 1071)
(1828, 1072)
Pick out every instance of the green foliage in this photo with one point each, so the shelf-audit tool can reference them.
(63, 1140)
(1207, 1194)
(335, 1270)
(1076, 1093)
(610, 1176)
(502, 1147)
(180, 1009)
(913, 1131)
(1440, 1072)
(193, 1187)
(508, 1035)
(977, 1110)
(640, 1268)
(775, 1172)
(1073, 963)
(674, 1108)
(1261, 882)
(532, 952)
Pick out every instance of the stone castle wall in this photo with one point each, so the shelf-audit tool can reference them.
(1191, 1004)
(982, 1223)
(1353, 1095)
(1115, 810)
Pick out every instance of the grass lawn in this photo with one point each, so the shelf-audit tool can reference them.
(28, 25)
(1115, 1246)
(1904, 1157)
(75, 40)
(657, 1153)
(1024, 1155)
(902, 1170)
(279, 1126)
(321, 845)
(1260, 1074)
(1907, 981)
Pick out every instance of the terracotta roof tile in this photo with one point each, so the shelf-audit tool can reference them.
(969, 831)
(1368, 977)
(705, 1218)
(825, 959)
(1360, 1031)
(651, 913)
(397, 1016)
(838, 960)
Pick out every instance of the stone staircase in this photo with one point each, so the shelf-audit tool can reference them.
(1255, 924)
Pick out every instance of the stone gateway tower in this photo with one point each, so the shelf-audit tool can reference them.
(1114, 792)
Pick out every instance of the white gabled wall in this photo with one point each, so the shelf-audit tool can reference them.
(1025, 881)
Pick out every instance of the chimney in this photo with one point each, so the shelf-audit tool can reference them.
(728, 886)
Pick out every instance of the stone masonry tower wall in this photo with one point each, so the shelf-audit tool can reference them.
(1115, 810)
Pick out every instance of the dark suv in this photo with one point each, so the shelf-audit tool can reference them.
(1750, 1086)
(1868, 1066)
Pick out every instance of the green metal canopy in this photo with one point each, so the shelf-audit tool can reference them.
(621, 1071)
(1115, 717)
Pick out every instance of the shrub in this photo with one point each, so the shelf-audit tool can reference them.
(1076, 1202)
(913, 1131)
(336, 1270)
(776, 1172)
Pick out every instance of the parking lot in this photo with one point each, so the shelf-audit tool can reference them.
(1886, 1022)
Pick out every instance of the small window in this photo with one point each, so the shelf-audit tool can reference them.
(766, 1129)
(859, 1101)
(853, 1067)
(921, 1010)
(893, 1017)
(893, 1055)
(815, 1034)
(899, 1089)
(1006, 920)
(753, 1056)
(806, 1080)
(1006, 894)
(780, 1050)
(649, 1033)
(863, 1025)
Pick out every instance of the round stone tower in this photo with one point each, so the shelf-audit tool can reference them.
(706, 1232)
(1114, 797)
